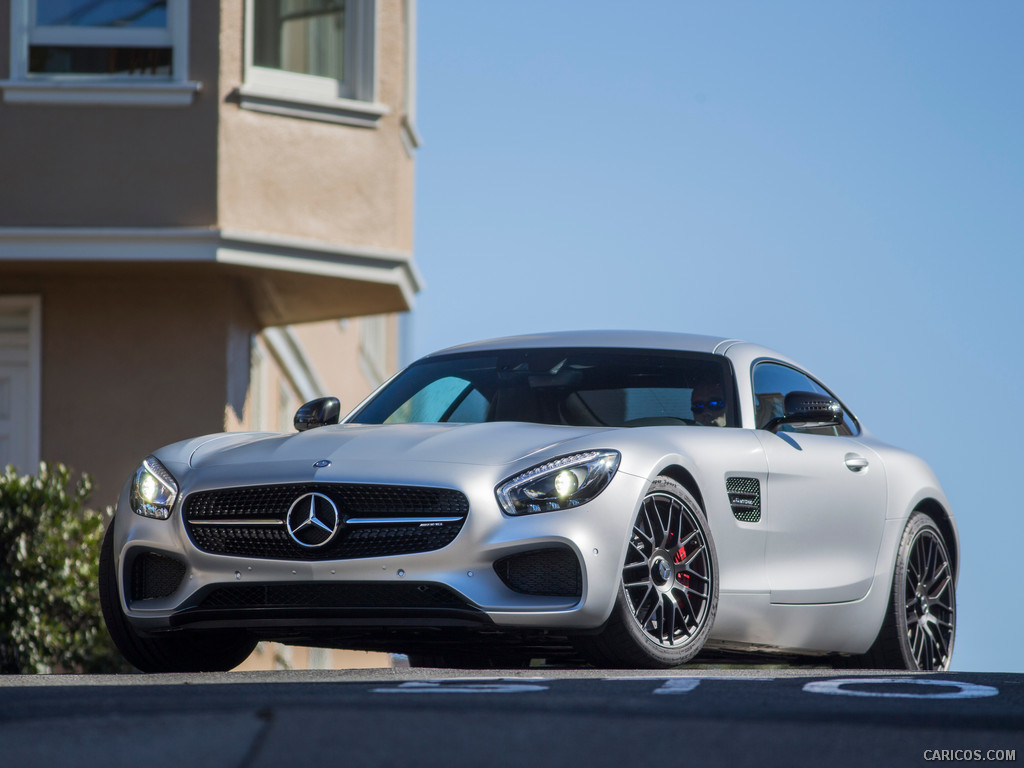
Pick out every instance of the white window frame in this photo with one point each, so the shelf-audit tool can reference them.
(410, 137)
(151, 90)
(34, 305)
(351, 102)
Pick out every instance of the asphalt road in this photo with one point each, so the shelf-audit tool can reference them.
(536, 718)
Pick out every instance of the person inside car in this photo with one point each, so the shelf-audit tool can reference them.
(707, 402)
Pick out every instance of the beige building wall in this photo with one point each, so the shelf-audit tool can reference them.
(362, 353)
(347, 359)
(315, 179)
(133, 359)
(103, 166)
(137, 355)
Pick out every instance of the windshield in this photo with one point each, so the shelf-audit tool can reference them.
(576, 387)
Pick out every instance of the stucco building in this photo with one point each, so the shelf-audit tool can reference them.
(205, 218)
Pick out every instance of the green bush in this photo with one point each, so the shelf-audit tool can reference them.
(50, 617)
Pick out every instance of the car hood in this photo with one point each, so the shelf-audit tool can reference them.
(493, 443)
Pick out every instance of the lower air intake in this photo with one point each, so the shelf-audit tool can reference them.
(154, 576)
(553, 572)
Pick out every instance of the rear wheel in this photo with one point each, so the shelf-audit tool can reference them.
(216, 651)
(668, 588)
(920, 623)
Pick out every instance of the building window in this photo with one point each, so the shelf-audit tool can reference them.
(305, 37)
(117, 37)
(19, 381)
(312, 59)
(99, 51)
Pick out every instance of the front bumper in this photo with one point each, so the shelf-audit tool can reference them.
(455, 586)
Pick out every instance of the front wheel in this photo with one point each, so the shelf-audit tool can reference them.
(920, 623)
(668, 587)
(210, 651)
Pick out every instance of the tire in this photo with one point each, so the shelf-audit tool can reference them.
(920, 621)
(668, 586)
(213, 651)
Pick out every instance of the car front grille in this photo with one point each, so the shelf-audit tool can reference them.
(373, 520)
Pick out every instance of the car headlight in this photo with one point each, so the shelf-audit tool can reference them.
(562, 483)
(153, 490)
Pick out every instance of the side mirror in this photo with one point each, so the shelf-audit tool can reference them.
(808, 410)
(318, 413)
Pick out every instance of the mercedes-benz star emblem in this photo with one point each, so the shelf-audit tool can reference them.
(312, 520)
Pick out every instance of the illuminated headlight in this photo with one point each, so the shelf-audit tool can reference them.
(153, 490)
(559, 484)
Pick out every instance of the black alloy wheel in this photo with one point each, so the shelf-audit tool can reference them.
(919, 628)
(668, 588)
(667, 576)
(929, 601)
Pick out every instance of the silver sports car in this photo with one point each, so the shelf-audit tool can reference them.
(619, 498)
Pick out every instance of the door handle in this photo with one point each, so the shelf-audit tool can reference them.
(855, 463)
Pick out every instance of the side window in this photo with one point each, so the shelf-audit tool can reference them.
(772, 382)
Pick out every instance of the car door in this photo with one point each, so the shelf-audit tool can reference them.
(824, 503)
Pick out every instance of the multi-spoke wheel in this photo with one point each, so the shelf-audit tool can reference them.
(669, 586)
(920, 625)
(929, 601)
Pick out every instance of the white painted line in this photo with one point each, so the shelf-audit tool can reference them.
(677, 685)
(465, 686)
(964, 690)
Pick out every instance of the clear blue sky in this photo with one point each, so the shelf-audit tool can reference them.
(843, 182)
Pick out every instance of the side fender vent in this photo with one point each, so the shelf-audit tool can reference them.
(744, 498)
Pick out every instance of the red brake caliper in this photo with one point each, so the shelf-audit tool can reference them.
(680, 556)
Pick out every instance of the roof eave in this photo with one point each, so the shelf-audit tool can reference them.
(292, 279)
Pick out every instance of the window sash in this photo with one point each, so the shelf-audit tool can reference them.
(25, 34)
(101, 36)
(358, 52)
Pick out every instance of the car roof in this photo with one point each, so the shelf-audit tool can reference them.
(685, 342)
